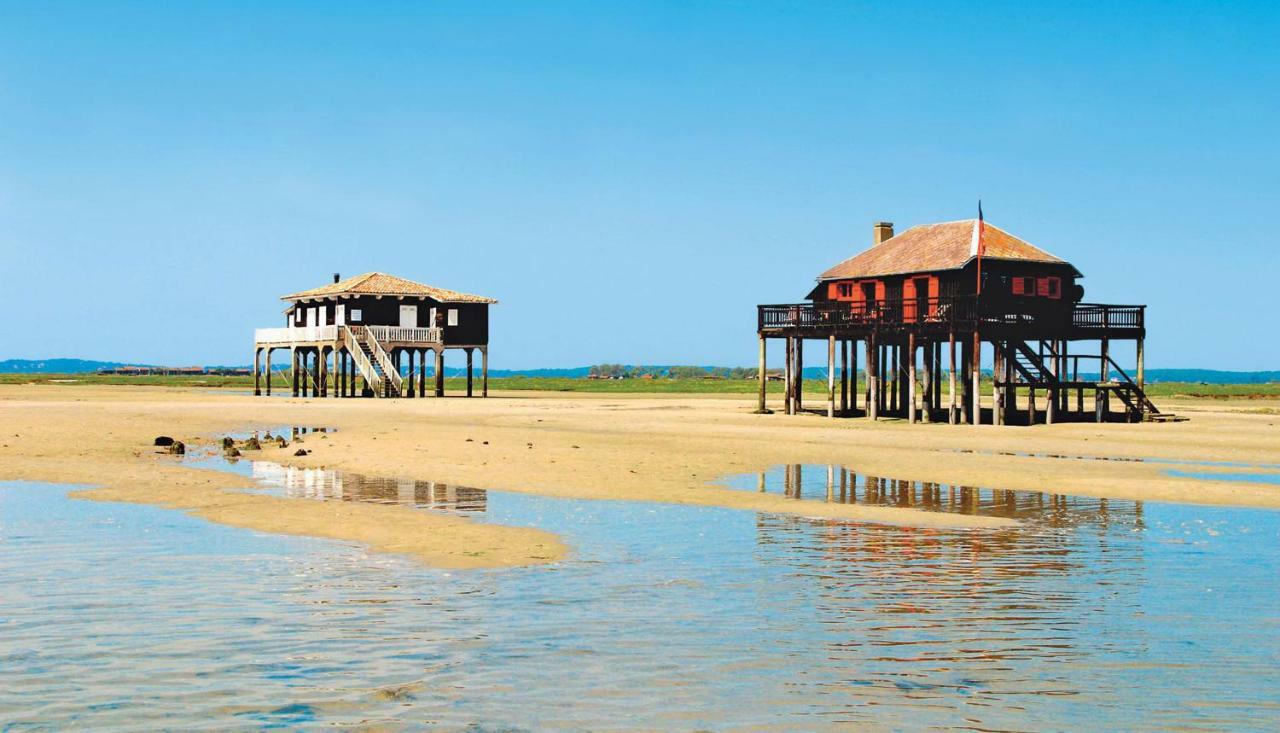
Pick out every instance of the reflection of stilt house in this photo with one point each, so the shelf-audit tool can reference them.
(366, 336)
(918, 294)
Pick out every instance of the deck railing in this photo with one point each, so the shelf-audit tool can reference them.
(413, 335)
(295, 334)
(963, 311)
(385, 334)
(1097, 315)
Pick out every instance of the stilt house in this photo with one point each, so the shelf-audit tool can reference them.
(364, 336)
(933, 288)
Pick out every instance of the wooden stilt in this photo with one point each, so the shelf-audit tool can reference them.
(799, 374)
(911, 378)
(951, 384)
(1142, 365)
(927, 383)
(762, 376)
(293, 369)
(257, 372)
(999, 377)
(852, 364)
(268, 359)
(470, 370)
(786, 376)
(976, 391)
(1104, 376)
(831, 376)
(439, 372)
(873, 399)
(484, 371)
(844, 376)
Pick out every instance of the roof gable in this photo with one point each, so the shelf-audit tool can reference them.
(380, 283)
(929, 247)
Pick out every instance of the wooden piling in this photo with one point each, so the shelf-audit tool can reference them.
(976, 356)
(873, 398)
(763, 377)
(951, 383)
(911, 377)
(470, 370)
(439, 365)
(831, 376)
(257, 372)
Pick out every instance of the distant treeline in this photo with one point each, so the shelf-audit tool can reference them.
(629, 371)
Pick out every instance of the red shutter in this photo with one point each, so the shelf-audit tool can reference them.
(1017, 286)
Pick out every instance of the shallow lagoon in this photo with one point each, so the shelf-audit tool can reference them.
(1138, 617)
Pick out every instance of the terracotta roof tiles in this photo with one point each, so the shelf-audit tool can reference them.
(931, 247)
(379, 283)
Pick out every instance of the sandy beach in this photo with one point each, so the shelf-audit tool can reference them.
(670, 449)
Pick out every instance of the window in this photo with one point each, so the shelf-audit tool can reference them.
(1024, 286)
(356, 315)
(844, 290)
(453, 316)
(1049, 287)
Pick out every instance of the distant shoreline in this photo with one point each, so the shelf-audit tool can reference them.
(666, 385)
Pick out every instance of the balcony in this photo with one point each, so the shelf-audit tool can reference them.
(318, 334)
(960, 313)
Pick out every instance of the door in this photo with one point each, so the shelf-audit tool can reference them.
(922, 298)
(312, 314)
(408, 316)
(340, 314)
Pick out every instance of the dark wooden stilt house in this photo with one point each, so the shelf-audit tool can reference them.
(365, 335)
(926, 292)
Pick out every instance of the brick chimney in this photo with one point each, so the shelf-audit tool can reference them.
(881, 231)
(337, 277)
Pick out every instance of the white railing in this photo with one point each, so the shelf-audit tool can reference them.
(413, 335)
(362, 362)
(293, 335)
(370, 338)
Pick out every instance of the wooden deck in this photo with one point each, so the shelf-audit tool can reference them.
(937, 317)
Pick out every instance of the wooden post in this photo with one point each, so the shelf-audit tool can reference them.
(911, 377)
(1051, 397)
(268, 355)
(293, 370)
(844, 376)
(484, 371)
(831, 376)
(1104, 375)
(927, 383)
(439, 372)
(799, 375)
(1142, 366)
(470, 370)
(257, 371)
(852, 364)
(763, 377)
(951, 379)
(322, 372)
(422, 372)
(977, 377)
(895, 361)
(786, 375)
(873, 399)
(999, 377)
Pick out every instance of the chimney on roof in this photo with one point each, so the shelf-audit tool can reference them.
(337, 277)
(881, 231)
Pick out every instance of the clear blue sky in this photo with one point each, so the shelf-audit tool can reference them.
(628, 179)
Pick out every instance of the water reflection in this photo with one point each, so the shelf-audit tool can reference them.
(334, 485)
(841, 485)
(1091, 614)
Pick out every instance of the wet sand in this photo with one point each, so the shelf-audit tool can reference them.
(639, 447)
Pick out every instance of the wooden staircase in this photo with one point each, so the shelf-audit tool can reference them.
(373, 362)
(1028, 364)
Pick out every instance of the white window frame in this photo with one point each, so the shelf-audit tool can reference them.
(453, 317)
(357, 315)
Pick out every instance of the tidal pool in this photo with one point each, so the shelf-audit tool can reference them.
(1123, 616)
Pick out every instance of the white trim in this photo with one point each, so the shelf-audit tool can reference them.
(973, 241)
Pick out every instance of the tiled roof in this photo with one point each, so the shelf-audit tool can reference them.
(379, 283)
(932, 247)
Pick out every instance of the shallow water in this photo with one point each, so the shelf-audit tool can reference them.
(1139, 618)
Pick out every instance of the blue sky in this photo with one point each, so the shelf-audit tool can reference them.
(628, 179)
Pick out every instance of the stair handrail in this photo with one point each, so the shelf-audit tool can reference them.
(384, 360)
(362, 361)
